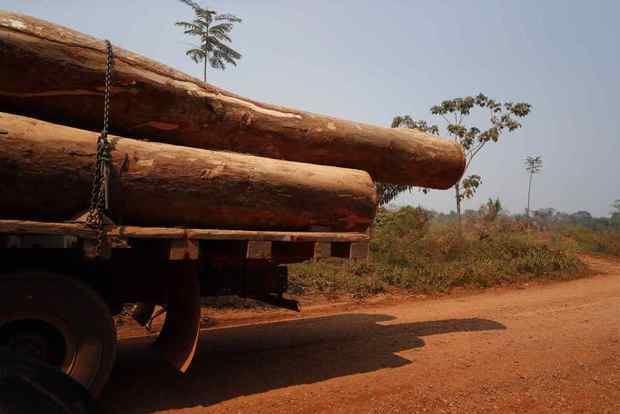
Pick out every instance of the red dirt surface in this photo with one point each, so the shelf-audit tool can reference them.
(545, 348)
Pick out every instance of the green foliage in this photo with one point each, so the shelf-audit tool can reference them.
(334, 276)
(469, 185)
(405, 121)
(412, 249)
(213, 31)
(406, 224)
(386, 192)
(558, 220)
(491, 209)
(593, 241)
(533, 165)
(503, 117)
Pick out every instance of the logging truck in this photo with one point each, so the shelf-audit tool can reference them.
(62, 281)
(57, 302)
(210, 193)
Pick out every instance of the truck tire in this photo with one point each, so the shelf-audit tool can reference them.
(60, 321)
(29, 386)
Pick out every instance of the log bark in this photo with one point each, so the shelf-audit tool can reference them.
(57, 74)
(46, 172)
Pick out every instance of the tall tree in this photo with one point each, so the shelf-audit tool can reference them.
(502, 117)
(213, 31)
(533, 165)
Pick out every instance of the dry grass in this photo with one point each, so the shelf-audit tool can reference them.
(590, 241)
(411, 251)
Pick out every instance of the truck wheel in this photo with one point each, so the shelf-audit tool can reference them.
(61, 322)
(28, 386)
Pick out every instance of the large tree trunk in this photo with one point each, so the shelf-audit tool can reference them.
(46, 172)
(57, 74)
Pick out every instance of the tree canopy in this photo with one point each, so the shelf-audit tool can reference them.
(213, 31)
(502, 117)
(533, 165)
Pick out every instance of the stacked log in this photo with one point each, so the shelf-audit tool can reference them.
(56, 74)
(46, 172)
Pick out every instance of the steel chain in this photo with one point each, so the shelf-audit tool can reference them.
(100, 192)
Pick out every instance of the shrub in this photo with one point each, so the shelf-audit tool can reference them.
(410, 250)
(593, 241)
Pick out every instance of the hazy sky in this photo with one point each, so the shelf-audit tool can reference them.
(370, 60)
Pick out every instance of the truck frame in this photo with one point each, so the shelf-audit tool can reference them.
(60, 288)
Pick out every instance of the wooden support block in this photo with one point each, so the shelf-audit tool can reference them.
(322, 250)
(285, 252)
(258, 250)
(184, 249)
(353, 251)
(342, 250)
(359, 250)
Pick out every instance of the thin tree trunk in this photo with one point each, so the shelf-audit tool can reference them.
(204, 75)
(529, 189)
(457, 190)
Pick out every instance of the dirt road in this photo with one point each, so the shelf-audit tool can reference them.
(552, 348)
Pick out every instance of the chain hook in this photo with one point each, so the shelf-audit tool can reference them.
(100, 192)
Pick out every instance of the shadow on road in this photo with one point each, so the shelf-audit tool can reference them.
(240, 361)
